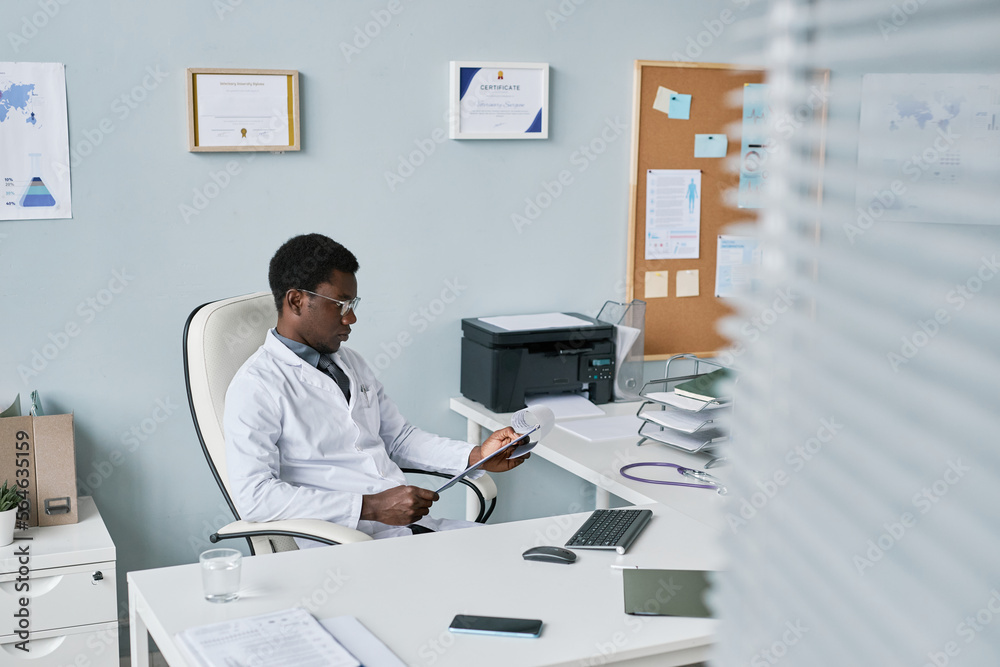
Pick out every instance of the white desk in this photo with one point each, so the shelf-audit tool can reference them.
(406, 591)
(599, 462)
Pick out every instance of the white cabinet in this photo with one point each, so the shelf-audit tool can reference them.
(57, 585)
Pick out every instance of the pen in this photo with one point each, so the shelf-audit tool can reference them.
(618, 566)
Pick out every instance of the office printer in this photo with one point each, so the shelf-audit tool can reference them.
(503, 358)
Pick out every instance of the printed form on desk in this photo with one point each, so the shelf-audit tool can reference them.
(287, 638)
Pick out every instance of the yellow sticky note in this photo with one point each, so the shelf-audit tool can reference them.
(657, 284)
(662, 102)
(687, 283)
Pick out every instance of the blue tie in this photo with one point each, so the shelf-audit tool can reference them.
(334, 371)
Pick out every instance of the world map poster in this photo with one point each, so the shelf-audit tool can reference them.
(34, 142)
(929, 148)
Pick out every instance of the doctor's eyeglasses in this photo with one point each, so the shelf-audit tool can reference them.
(345, 306)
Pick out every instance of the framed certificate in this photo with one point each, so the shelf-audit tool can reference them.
(499, 100)
(243, 110)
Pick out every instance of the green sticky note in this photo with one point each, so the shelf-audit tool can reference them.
(710, 145)
(680, 106)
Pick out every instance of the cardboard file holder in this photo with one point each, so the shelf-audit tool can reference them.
(41, 450)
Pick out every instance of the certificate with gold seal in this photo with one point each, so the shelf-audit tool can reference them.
(491, 100)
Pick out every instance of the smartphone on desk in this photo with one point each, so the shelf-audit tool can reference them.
(494, 625)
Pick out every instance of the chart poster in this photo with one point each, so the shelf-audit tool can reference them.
(753, 153)
(926, 141)
(737, 260)
(673, 213)
(34, 142)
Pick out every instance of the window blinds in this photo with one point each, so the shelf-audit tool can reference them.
(864, 505)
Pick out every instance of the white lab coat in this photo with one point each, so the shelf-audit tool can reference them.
(296, 449)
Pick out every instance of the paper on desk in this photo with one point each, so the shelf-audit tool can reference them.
(360, 641)
(691, 442)
(603, 428)
(683, 402)
(682, 420)
(541, 321)
(565, 406)
(288, 638)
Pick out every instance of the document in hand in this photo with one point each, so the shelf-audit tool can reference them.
(522, 446)
(291, 638)
(534, 418)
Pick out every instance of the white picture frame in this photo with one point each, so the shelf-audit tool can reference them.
(498, 100)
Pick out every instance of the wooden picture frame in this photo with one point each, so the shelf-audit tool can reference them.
(243, 110)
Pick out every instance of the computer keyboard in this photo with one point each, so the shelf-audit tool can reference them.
(610, 529)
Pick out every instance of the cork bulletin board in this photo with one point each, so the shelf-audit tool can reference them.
(685, 324)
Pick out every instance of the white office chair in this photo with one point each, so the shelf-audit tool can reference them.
(218, 337)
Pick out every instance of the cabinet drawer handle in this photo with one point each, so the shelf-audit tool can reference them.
(98, 576)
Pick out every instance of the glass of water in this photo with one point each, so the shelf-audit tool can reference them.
(220, 574)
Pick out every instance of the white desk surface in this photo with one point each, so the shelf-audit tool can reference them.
(599, 462)
(406, 591)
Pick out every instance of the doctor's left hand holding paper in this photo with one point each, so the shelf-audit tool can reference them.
(310, 431)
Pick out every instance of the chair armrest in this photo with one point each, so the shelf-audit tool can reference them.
(312, 529)
(485, 484)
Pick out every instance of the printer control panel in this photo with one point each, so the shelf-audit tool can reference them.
(597, 368)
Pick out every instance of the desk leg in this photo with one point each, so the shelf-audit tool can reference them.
(602, 498)
(137, 634)
(473, 434)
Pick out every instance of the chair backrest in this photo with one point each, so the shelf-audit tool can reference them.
(218, 337)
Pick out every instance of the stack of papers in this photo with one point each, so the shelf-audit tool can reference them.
(712, 386)
(689, 442)
(291, 637)
(682, 402)
(566, 406)
(687, 422)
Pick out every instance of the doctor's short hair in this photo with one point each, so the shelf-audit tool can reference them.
(304, 262)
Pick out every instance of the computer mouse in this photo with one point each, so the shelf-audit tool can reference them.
(550, 555)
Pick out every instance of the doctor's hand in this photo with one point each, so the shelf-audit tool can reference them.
(497, 440)
(398, 506)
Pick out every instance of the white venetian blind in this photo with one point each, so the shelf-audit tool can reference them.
(865, 499)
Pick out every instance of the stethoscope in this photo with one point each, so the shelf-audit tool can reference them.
(706, 481)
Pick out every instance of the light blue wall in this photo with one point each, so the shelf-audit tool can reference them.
(449, 221)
